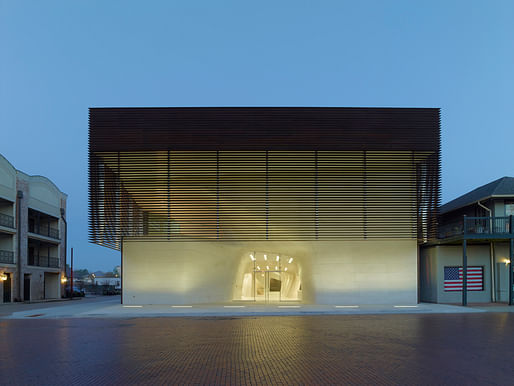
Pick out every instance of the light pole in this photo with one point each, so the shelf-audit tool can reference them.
(63, 212)
(71, 281)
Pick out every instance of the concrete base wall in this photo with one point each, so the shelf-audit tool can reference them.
(332, 272)
(428, 275)
(43, 285)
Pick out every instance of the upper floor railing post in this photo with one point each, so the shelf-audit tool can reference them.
(464, 265)
(511, 258)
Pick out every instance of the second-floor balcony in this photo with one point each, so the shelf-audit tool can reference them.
(6, 257)
(6, 220)
(478, 228)
(44, 230)
(43, 261)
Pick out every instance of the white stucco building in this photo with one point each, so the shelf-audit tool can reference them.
(32, 232)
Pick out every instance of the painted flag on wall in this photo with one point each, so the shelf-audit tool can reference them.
(453, 278)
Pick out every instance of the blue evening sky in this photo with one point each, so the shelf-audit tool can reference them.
(57, 58)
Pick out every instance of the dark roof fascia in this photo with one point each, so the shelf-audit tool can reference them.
(442, 211)
(264, 128)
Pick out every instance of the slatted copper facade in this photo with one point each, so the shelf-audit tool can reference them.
(263, 173)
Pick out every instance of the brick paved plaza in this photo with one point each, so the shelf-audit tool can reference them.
(349, 349)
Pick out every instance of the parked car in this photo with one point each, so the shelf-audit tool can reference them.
(109, 290)
(77, 292)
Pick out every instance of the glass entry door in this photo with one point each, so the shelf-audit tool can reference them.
(268, 285)
(274, 282)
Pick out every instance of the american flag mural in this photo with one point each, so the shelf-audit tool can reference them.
(453, 278)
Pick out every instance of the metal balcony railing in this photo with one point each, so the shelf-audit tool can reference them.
(44, 261)
(477, 226)
(6, 257)
(6, 220)
(45, 230)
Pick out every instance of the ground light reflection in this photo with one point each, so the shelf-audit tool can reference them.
(349, 349)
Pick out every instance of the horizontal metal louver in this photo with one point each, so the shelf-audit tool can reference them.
(328, 192)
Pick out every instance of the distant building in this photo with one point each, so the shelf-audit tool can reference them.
(480, 219)
(32, 250)
(107, 281)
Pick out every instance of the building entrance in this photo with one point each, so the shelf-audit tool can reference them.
(268, 286)
(271, 278)
(26, 287)
(7, 288)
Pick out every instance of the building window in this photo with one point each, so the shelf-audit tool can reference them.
(509, 209)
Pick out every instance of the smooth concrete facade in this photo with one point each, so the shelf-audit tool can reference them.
(332, 272)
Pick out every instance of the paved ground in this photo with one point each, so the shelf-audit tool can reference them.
(7, 309)
(463, 348)
(110, 307)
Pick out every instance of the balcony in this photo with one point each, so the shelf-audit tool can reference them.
(6, 257)
(44, 261)
(478, 228)
(44, 230)
(6, 220)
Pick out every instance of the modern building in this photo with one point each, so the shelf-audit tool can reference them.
(475, 229)
(317, 205)
(32, 230)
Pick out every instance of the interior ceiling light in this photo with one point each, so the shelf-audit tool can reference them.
(285, 269)
(276, 268)
(278, 258)
(251, 257)
(290, 260)
(265, 257)
(267, 267)
(258, 268)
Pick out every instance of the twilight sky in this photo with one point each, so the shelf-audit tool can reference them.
(57, 58)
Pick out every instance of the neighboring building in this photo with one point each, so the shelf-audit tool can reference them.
(32, 251)
(81, 278)
(482, 219)
(320, 205)
(107, 281)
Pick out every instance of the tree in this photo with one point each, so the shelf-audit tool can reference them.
(80, 273)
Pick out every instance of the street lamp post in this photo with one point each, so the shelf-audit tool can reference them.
(71, 274)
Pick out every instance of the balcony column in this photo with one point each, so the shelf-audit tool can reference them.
(464, 267)
(511, 257)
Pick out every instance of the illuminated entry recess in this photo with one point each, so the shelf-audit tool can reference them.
(270, 277)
